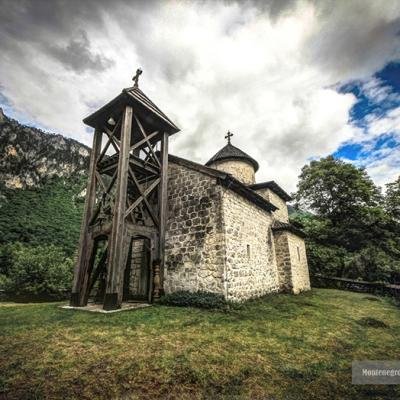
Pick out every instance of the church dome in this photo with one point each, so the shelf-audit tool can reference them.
(236, 162)
(230, 152)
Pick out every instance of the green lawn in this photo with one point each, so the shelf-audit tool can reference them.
(279, 347)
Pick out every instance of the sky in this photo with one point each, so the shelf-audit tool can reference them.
(293, 80)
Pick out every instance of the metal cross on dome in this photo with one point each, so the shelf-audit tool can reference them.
(228, 136)
(136, 77)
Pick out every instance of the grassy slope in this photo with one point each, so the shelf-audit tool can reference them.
(292, 347)
(49, 214)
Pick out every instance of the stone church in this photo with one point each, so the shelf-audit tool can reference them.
(228, 234)
(155, 223)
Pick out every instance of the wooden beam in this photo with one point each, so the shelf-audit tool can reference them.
(98, 270)
(100, 180)
(140, 199)
(85, 241)
(98, 207)
(150, 146)
(114, 131)
(110, 135)
(113, 297)
(148, 207)
(138, 162)
(162, 201)
(140, 143)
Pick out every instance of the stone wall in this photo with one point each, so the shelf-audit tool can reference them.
(298, 257)
(194, 251)
(220, 242)
(241, 170)
(283, 261)
(281, 214)
(292, 262)
(251, 269)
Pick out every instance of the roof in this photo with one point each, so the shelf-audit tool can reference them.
(230, 152)
(284, 226)
(227, 181)
(272, 185)
(143, 106)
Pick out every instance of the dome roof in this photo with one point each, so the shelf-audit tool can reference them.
(230, 152)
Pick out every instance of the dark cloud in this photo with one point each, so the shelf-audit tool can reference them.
(260, 68)
(59, 28)
(39, 20)
(355, 38)
(273, 7)
(78, 56)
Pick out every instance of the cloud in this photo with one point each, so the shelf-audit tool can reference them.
(377, 92)
(354, 38)
(77, 56)
(379, 142)
(265, 71)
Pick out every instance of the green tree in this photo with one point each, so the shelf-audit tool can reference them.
(392, 199)
(336, 190)
(350, 231)
(38, 271)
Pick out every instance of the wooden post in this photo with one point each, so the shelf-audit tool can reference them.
(156, 281)
(82, 266)
(163, 200)
(117, 241)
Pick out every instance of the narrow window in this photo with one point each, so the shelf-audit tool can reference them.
(298, 252)
(248, 251)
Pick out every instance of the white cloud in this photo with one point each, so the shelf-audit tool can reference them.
(213, 66)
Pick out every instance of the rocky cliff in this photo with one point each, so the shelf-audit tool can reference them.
(42, 187)
(29, 156)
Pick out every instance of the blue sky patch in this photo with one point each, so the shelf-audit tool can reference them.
(375, 98)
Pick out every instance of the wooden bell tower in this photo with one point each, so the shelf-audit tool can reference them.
(126, 197)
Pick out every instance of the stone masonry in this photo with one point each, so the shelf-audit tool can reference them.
(292, 262)
(281, 214)
(194, 250)
(225, 237)
(241, 170)
(298, 258)
(251, 269)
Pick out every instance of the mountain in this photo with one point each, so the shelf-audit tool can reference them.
(29, 156)
(42, 186)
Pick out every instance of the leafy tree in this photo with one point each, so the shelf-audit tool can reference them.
(38, 271)
(392, 199)
(350, 232)
(335, 189)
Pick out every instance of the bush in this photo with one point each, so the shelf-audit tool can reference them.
(39, 272)
(198, 299)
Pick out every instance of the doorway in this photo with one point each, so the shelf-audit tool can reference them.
(138, 270)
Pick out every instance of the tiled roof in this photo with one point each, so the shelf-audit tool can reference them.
(274, 187)
(230, 152)
(141, 98)
(284, 226)
(142, 105)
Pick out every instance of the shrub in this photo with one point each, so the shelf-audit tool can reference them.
(198, 299)
(40, 271)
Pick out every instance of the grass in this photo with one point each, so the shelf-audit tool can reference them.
(278, 347)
